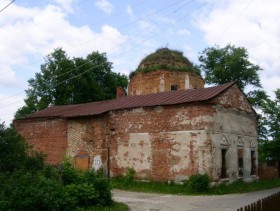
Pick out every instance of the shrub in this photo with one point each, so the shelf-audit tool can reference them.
(27, 183)
(15, 154)
(199, 183)
(101, 185)
(23, 190)
(70, 175)
(129, 175)
(86, 188)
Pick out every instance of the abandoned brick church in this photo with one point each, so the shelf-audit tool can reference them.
(168, 127)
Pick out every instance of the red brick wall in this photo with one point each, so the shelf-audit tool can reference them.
(46, 135)
(90, 135)
(159, 123)
(161, 142)
(233, 98)
(149, 83)
(268, 170)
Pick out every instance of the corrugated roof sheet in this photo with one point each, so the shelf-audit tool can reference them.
(164, 98)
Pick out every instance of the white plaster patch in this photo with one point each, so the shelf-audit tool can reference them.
(182, 118)
(137, 154)
(231, 121)
(139, 92)
(182, 149)
(162, 83)
(187, 82)
(137, 110)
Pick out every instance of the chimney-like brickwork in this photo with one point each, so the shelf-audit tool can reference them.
(120, 92)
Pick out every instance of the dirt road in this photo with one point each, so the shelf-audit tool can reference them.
(163, 202)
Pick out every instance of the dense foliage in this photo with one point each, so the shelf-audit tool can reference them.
(270, 123)
(222, 65)
(15, 154)
(65, 81)
(199, 183)
(26, 183)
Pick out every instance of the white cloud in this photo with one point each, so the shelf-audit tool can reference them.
(104, 5)
(66, 5)
(269, 84)
(28, 34)
(38, 32)
(247, 24)
(8, 77)
(129, 11)
(9, 105)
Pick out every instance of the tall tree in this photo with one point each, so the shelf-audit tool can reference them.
(222, 65)
(270, 143)
(65, 81)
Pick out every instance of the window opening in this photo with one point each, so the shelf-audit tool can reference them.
(240, 162)
(224, 165)
(253, 163)
(173, 87)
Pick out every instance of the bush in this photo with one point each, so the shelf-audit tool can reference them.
(102, 186)
(15, 154)
(46, 190)
(27, 183)
(199, 183)
(23, 190)
(94, 188)
(129, 175)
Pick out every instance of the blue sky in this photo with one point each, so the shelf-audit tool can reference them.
(127, 31)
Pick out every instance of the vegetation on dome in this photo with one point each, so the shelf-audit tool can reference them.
(167, 59)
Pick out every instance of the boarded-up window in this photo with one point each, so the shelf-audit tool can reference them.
(82, 160)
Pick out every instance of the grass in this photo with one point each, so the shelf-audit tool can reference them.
(116, 206)
(172, 188)
(242, 187)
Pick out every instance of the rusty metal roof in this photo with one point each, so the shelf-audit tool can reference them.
(159, 99)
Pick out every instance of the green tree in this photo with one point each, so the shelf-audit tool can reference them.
(222, 65)
(15, 154)
(65, 81)
(270, 142)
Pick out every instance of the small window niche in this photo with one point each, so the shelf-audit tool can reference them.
(113, 131)
(240, 162)
(174, 87)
